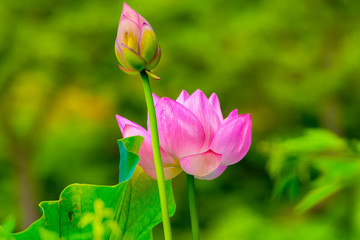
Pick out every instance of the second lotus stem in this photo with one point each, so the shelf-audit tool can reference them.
(193, 208)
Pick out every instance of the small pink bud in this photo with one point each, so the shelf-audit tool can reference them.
(136, 47)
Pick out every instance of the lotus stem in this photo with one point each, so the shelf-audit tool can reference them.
(193, 208)
(157, 155)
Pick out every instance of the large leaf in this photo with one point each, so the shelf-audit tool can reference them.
(128, 210)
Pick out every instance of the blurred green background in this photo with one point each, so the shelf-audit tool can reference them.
(294, 65)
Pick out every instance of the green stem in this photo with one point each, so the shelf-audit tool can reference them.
(193, 208)
(157, 155)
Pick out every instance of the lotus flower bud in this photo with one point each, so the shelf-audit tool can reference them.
(136, 47)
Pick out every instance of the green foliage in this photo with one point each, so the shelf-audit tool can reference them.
(128, 210)
(318, 161)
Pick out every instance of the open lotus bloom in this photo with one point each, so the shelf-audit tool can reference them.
(136, 47)
(194, 136)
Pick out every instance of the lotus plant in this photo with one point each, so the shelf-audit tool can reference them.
(194, 136)
(136, 46)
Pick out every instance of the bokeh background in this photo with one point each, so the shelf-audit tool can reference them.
(294, 65)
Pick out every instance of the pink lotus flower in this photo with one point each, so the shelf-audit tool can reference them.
(136, 47)
(194, 136)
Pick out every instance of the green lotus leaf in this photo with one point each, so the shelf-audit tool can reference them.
(128, 210)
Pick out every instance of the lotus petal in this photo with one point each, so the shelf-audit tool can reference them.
(214, 174)
(132, 59)
(180, 132)
(201, 164)
(148, 43)
(169, 172)
(233, 139)
(199, 105)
